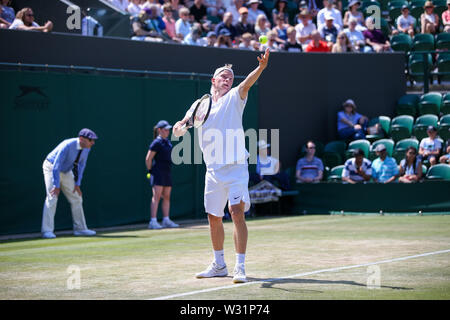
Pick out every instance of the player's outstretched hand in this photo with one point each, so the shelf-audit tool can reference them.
(264, 59)
(178, 130)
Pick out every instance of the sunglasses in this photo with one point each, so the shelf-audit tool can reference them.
(30, 15)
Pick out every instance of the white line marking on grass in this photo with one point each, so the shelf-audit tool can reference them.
(299, 275)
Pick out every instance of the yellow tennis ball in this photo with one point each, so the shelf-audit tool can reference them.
(148, 175)
(262, 39)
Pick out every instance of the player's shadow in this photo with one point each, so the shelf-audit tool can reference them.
(270, 283)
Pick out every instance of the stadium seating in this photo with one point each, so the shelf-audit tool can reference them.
(333, 153)
(416, 8)
(401, 42)
(365, 4)
(423, 42)
(388, 143)
(445, 107)
(444, 127)
(421, 124)
(335, 174)
(443, 65)
(401, 146)
(401, 127)
(440, 6)
(442, 41)
(407, 105)
(416, 65)
(430, 103)
(385, 123)
(395, 8)
(439, 171)
(362, 144)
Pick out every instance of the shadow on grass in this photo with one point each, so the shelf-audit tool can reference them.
(270, 283)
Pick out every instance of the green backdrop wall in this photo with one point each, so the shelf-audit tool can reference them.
(40, 109)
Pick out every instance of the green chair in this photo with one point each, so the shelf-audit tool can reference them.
(335, 174)
(333, 153)
(430, 103)
(388, 143)
(416, 8)
(401, 127)
(439, 171)
(385, 123)
(423, 42)
(444, 127)
(442, 41)
(424, 170)
(362, 144)
(416, 66)
(402, 145)
(421, 124)
(365, 4)
(443, 65)
(407, 105)
(445, 107)
(401, 42)
(440, 7)
(395, 8)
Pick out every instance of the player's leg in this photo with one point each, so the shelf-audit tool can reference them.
(157, 192)
(48, 212)
(240, 237)
(167, 223)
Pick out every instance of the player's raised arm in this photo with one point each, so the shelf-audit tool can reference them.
(245, 85)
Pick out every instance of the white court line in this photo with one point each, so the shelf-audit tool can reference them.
(298, 275)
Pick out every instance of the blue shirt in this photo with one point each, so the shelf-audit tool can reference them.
(351, 170)
(384, 170)
(309, 169)
(63, 157)
(354, 118)
(163, 159)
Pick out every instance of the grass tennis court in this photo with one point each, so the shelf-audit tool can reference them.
(298, 257)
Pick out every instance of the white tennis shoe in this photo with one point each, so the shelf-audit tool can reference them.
(154, 225)
(169, 224)
(239, 273)
(86, 232)
(48, 235)
(213, 270)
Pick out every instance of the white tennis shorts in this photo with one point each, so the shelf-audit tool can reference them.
(226, 184)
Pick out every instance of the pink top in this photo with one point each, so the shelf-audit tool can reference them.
(446, 17)
(170, 27)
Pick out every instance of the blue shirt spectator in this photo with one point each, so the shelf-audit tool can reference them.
(384, 168)
(63, 158)
(309, 168)
(357, 169)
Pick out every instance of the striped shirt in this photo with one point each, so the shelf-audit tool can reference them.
(384, 170)
(309, 169)
(351, 170)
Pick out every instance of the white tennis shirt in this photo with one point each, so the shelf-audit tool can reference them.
(222, 138)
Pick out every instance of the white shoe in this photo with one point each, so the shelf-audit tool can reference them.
(239, 274)
(154, 225)
(48, 235)
(86, 232)
(169, 224)
(213, 271)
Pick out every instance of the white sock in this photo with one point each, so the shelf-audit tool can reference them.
(166, 219)
(154, 220)
(240, 258)
(219, 257)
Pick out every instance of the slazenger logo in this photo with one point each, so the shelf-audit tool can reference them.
(31, 98)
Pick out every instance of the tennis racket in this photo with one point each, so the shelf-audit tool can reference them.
(200, 113)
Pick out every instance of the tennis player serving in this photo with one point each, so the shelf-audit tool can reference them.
(226, 178)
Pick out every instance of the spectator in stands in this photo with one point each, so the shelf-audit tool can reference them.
(120, 4)
(410, 168)
(430, 147)
(429, 20)
(350, 124)
(357, 169)
(194, 38)
(214, 8)
(280, 29)
(246, 42)
(149, 3)
(405, 22)
(262, 25)
(227, 24)
(255, 45)
(199, 11)
(7, 13)
(169, 21)
(234, 10)
(25, 21)
(271, 43)
(317, 44)
(280, 7)
(305, 28)
(446, 157)
(375, 39)
(356, 37)
(224, 39)
(309, 168)
(183, 25)
(342, 44)
(291, 44)
(253, 11)
(155, 22)
(354, 13)
(211, 39)
(313, 6)
(329, 31)
(142, 29)
(384, 168)
(134, 7)
(243, 26)
(328, 8)
(268, 168)
(3, 23)
(176, 6)
(446, 18)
